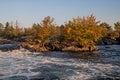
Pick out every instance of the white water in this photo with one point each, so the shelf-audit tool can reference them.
(32, 65)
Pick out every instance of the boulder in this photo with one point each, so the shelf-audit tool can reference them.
(6, 47)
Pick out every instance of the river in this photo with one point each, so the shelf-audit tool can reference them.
(24, 65)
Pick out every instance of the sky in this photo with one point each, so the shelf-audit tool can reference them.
(27, 12)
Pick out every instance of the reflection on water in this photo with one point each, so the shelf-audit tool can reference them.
(24, 65)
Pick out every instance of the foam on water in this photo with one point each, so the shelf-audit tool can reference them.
(24, 63)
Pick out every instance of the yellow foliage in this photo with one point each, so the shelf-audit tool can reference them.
(84, 31)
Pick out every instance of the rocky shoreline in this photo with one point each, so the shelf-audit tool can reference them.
(37, 48)
(71, 48)
(6, 45)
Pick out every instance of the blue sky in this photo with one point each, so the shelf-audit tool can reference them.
(26, 12)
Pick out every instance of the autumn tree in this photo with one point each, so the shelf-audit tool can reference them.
(46, 31)
(1, 29)
(17, 32)
(117, 26)
(83, 31)
(10, 31)
(106, 25)
(116, 33)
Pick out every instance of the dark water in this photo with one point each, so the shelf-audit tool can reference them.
(24, 65)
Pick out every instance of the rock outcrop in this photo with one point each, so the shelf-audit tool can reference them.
(107, 41)
(76, 49)
(6, 45)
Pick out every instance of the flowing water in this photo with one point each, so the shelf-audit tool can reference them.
(24, 65)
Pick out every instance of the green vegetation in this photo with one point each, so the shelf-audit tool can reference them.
(79, 33)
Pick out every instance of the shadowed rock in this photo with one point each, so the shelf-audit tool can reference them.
(6, 47)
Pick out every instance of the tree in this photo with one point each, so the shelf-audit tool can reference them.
(11, 31)
(116, 33)
(1, 29)
(117, 26)
(7, 30)
(83, 31)
(45, 31)
(17, 32)
(106, 25)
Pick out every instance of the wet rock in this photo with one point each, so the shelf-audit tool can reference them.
(107, 41)
(17, 78)
(6, 47)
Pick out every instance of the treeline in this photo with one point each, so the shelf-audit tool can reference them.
(79, 32)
